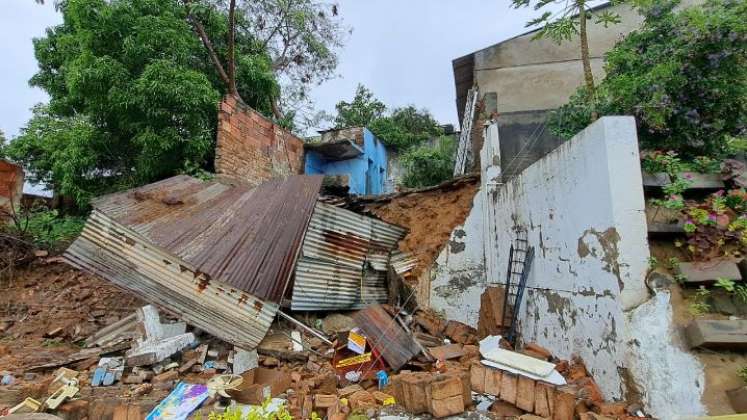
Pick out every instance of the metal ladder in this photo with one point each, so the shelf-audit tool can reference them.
(520, 259)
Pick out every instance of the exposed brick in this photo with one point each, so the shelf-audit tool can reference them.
(251, 149)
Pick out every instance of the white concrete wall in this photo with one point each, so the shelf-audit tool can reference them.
(458, 275)
(582, 207)
(671, 380)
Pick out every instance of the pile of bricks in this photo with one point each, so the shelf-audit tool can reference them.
(439, 395)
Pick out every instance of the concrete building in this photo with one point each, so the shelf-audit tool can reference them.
(353, 152)
(522, 79)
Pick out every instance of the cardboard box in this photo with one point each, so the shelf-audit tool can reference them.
(260, 384)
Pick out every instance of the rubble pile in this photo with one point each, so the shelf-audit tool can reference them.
(335, 366)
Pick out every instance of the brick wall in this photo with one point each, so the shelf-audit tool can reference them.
(251, 149)
(11, 186)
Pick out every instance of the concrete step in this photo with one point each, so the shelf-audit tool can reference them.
(717, 334)
(704, 273)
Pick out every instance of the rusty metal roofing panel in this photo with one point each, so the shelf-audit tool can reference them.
(246, 238)
(330, 273)
(394, 344)
(402, 262)
(127, 259)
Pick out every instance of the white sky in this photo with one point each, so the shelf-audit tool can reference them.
(400, 49)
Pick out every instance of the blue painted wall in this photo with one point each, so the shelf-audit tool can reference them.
(367, 172)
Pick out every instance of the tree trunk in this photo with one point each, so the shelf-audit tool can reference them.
(231, 49)
(585, 59)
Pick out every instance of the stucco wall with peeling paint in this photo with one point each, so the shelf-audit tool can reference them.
(582, 207)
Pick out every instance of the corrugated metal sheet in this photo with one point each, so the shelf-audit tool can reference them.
(246, 238)
(331, 271)
(396, 346)
(218, 256)
(125, 258)
(402, 262)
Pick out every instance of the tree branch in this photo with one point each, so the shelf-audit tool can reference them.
(231, 49)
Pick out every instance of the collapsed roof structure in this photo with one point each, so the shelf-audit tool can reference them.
(224, 257)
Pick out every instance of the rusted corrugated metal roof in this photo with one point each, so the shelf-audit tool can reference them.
(331, 270)
(246, 238)
(218, 256)
(394, 344)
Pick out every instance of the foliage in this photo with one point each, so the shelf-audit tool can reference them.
(742, 373)
(361, 111)
(717, 226)
(45, 228)
(683, 75)
(700, 305)
(670, 164)
(565, 22)
(427, 165)
(406, 127)
(133, 95)
(730, 286)
(301, 37)
(402, 128)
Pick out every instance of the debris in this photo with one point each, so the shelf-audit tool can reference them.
(713, 334)
(356, 342)
(361, 401)
(221, 384)
(385, 335)
(243, 360)
(29, 405)
(82, 355)
(68, 390)
(310, 330)
(336, 323)
(160, 341)
(180, 403)
(259, 384)
(446, 352)
(490, 320)
(430, 322)
(537, 351)
(518, 363)
(143, 389)
(460, 332)
(121, 330)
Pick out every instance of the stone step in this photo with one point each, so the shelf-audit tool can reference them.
(708, 272)
(717, 334)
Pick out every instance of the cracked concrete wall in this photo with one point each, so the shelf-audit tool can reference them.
(582, 207)
(458, 275)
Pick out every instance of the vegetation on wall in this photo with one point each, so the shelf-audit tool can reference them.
(133, 95)
(683, 75)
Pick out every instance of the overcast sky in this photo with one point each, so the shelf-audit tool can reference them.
(400, 49)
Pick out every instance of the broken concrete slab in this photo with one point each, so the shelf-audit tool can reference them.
(244, 360)
(700, 181)
(160, 341)
(717, 334)
(707, 273)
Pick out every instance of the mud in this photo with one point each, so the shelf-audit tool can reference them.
(430, 216)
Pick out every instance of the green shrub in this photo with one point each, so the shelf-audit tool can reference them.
(683, 75)
(427, 165)
(47, 229)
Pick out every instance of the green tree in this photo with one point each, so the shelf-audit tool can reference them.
(406, 127)
(363, 109)
(402, 128)
(683, 75)
(133, 94)
(569, 20)
(427, 165)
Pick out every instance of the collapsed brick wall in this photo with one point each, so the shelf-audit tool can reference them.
(11, 186)
(251, 148)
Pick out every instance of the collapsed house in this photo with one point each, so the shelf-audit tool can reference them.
(226, 258)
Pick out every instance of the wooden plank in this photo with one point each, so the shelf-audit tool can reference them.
(717, 334)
